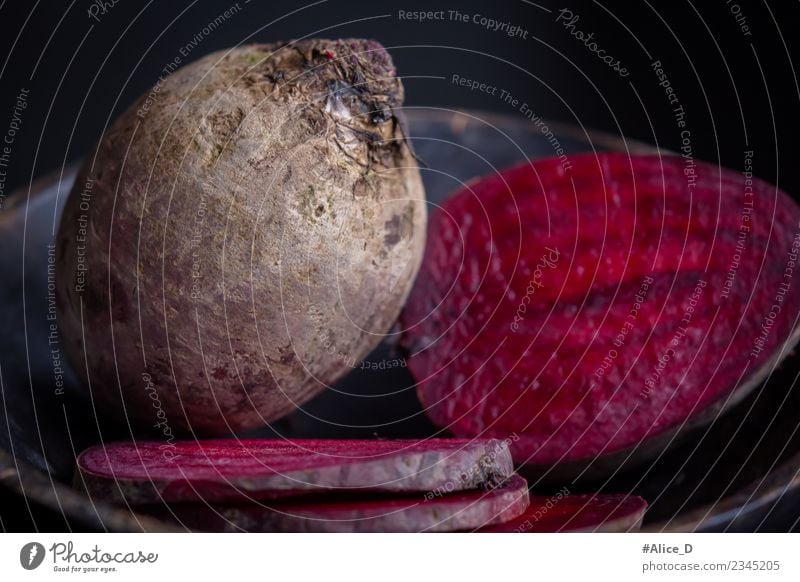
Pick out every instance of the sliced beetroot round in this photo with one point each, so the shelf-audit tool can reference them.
(592, 310)
(577, 513)
(459, 511)
(227, 470)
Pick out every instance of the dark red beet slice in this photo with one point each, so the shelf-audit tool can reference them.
(459, 511)
(226, 470)
(592, 312)
(577, 513)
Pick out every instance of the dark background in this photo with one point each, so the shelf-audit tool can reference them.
(739, 92)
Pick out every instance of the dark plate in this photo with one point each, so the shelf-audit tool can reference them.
(741, 473)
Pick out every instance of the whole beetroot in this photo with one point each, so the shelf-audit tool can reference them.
(594, 312)
(242, 236)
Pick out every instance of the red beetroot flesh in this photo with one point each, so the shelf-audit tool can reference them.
(586, 311)
(459, 511)
(577, 513)
(227, 470)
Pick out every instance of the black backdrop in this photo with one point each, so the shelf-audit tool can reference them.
(82, 62)
(737, 89)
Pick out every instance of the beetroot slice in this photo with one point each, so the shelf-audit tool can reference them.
(459, 511)
(577, 513)
(227, 470)
(592, 312)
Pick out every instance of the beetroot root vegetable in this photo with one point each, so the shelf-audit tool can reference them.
(459, 511)
(577, 513)
(242, 237)
(594, 311)
(227, 470)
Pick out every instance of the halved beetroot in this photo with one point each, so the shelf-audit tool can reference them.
(230, 470)
(577, 513)
(592, 311)
(459, 511)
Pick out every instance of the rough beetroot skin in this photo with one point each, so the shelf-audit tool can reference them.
(240, 237)
(601, 308)
(227, 470)
(577, 513)
(460, 511)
